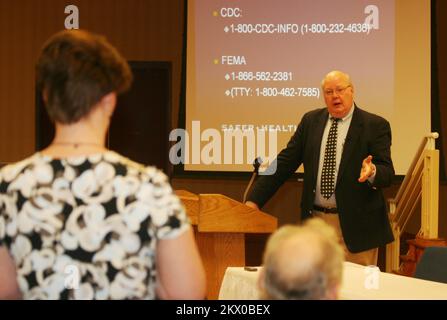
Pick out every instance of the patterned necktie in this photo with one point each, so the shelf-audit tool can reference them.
(328, 173)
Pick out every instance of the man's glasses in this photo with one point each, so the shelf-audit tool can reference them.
(338, 91)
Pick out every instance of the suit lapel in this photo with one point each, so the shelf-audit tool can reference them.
(352, 137)
(316, 138)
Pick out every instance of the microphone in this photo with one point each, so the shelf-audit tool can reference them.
(256, 164)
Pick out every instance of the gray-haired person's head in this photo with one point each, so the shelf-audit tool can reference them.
(302, 262)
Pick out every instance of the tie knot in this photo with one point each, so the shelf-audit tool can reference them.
(335, 120)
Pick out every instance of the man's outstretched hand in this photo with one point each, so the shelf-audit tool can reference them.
(368, 169)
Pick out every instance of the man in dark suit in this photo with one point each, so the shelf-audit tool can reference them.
(346, 156)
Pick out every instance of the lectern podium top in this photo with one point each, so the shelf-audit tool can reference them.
(219, 213)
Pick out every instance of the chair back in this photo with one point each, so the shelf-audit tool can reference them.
(433, 265)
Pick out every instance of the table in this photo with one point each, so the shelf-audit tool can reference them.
(359, 283)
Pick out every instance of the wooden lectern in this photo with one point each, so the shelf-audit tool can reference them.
(220, 224)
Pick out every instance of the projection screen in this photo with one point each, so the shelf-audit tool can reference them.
(255, 67)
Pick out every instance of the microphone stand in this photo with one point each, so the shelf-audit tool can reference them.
(256, 164)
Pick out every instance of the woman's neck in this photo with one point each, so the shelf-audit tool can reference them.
(81, 138)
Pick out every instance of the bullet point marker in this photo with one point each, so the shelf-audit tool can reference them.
(216, 61)
(215, 13)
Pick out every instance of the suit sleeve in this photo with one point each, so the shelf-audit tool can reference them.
(286, 163)
(380, 149)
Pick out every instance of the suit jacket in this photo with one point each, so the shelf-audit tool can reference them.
(361, 206)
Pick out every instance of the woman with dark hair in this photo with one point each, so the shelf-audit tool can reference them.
(78, 221)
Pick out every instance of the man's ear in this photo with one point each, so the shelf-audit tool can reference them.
(109, 102)
(262, 290)
(332, 293)
(261, 279)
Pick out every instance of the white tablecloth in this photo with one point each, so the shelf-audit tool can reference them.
(359, 283)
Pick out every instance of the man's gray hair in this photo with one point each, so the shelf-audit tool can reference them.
(336, 73)
(302, 262)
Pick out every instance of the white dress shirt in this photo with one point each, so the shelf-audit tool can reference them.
(342, 131)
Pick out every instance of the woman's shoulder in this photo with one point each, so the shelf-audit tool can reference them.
(10, 171)
(108, 164)
(145, 173)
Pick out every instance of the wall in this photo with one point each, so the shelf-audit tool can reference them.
(441, 66)
(140, 29)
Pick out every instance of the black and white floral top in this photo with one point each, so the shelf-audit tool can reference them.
(86, 227)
